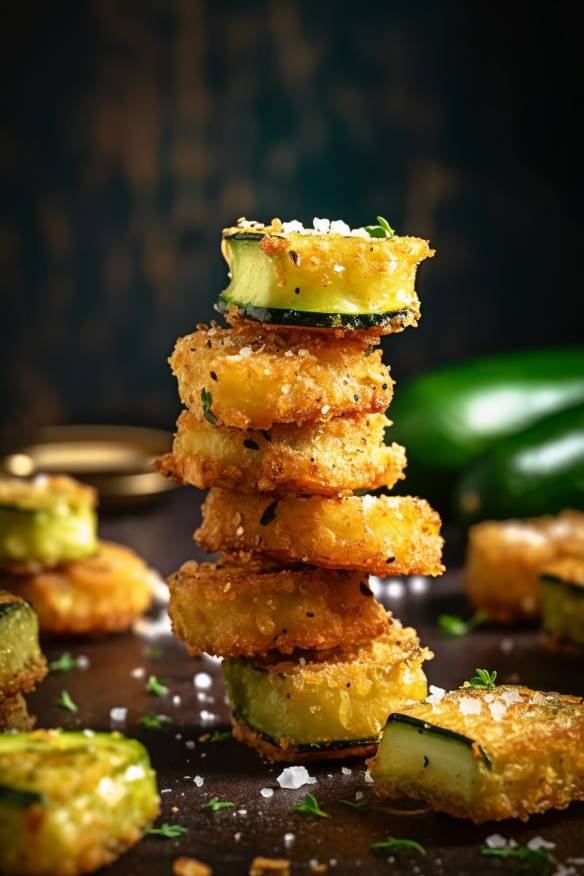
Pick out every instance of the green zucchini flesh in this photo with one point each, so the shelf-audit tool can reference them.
(45, 537)
(21, 660)
(70, 802)
(562, 602)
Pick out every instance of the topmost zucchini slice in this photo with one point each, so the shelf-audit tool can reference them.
(485, 754)
(46, 521)
(335, 278)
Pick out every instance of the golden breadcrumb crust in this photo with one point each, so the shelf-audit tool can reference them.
(567, 569)
(30, 675)
(14, 714)
(504, 559)
(254, 378)
(102, 594)
(324, 459)
(251, 609)
(285, 752)
(533, 740)
(383, 535)
(46, 493)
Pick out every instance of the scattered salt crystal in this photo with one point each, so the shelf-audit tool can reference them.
(418, 584)
(496, 841)
(176, 700)
(138, 672)
(202, 697)
(497, 710)
(538, 842)
(199, 781)
(207, 717)
(321, 226)
(288, 354)
(507, 645)
(511, 696)
(338, 269)
(267, 792)
(202, 680)
(346, 771)
(538, 699)
(242, 811)
(436, 695)
(339, 227)
(190, 743)
(166, 790)
(285, 389)
(360, 232)
(118, 715)
(245, 352)
(289, 839)
(359, 795)
(294, 777)
(325, 409)
(368, 777)
(237, 836)
(293, 225)
(239, 530)
(178, 736)
(89, 733)
(469, 706)
(302, 352)
(83, 661)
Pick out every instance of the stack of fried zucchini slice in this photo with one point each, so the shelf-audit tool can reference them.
(51, 556)
(22, 664)
(284, 422)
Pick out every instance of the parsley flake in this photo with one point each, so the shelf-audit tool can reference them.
(65, 663)
(168, 831)
(155, 653)
(537, 860)
(215, 805)
(453, 625)
(221, 736)
(382, 229)
(395, 844)
(65, 702)
(155, 686)
(354, 804)
(207, 401)
(153, 722)
(483, 680)
(310, 806)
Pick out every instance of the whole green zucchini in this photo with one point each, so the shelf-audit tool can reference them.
(538, 471)
(448, 418)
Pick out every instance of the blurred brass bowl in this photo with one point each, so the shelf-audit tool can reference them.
(116, 460)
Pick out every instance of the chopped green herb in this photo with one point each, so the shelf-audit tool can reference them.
(155, 653)
(310, 806)
(65, 702)
(65, 663)
(382, 229)
(221, 736)
(168, 831)
(215, 805)
(453, 625)
(155, 686)
(207, 401)
(355, 804)
(483, 680)
(395, 844)
(537, 860)
(153, 722)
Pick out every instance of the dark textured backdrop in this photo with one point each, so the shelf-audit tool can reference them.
(133, 130)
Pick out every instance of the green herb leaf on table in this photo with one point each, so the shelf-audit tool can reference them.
(65, 663)
(309, 806)
(155, 653)
(383, 229)
(168, 831)
(453, 625)
(396, 844)
(215, 805)
(207, 401)
(537, 860)
(155, 686)
(354, 804)
(221, 736)
(153, 722)
(483, 680)
(65, 702)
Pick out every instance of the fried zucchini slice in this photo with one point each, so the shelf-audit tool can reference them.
(14, 714)
(562, 600)
(384, 535)
(504, 559)
(46, 521)
(325, 459)
(22, 664)
(485, 755)
(323, 280)
(101, 594)
(325, 703)
(251, 378)
(251, 609)
(71, 803)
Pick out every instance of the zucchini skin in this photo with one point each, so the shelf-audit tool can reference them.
(539, 471)
(451, 416)
(70, 804)
(316, 319)
(425, 727)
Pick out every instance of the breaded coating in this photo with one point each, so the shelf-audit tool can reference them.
(283, 751)
(102, 594)
(325, 459)
(383, 535)
(14, 714)
(562, 597)
(485, 754)
(251, 609)
(323, 701)
(504, 559)
(22, 664)
(50, 493)
(251, 378)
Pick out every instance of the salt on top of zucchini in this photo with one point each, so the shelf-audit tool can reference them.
(57, 494)
(319, 226)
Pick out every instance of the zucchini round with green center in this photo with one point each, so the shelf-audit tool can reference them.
(44, 522)
(324, 703)
(484, 754)
(322, 280)
(22, 664)
(562, 600)
(71, 803)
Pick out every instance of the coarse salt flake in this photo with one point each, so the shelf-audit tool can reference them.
(346, 771)
(199, 781)
(497, 710)
(325, 409)
(294, 777)
(436, 695)
(202, 680)
(496, 841)
(338, 269)
(267, 792)
(118, 714)
(469, 706)
(538, 842)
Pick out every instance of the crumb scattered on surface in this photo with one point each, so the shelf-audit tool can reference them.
(190, 867)
(269, 866)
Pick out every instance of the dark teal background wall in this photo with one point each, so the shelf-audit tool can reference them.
(133, 130)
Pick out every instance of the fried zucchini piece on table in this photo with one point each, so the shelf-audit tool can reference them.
(251, 378)
(384, 535)
(504, 559)
(251, 609)
(22, 664)
(485, 754)
(324, 704)
(71, 803)
(562, 599)
(101, 594)
(323, 278)
(46, 521)
(325, 459)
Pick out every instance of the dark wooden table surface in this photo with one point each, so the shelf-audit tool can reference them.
(228, 840)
